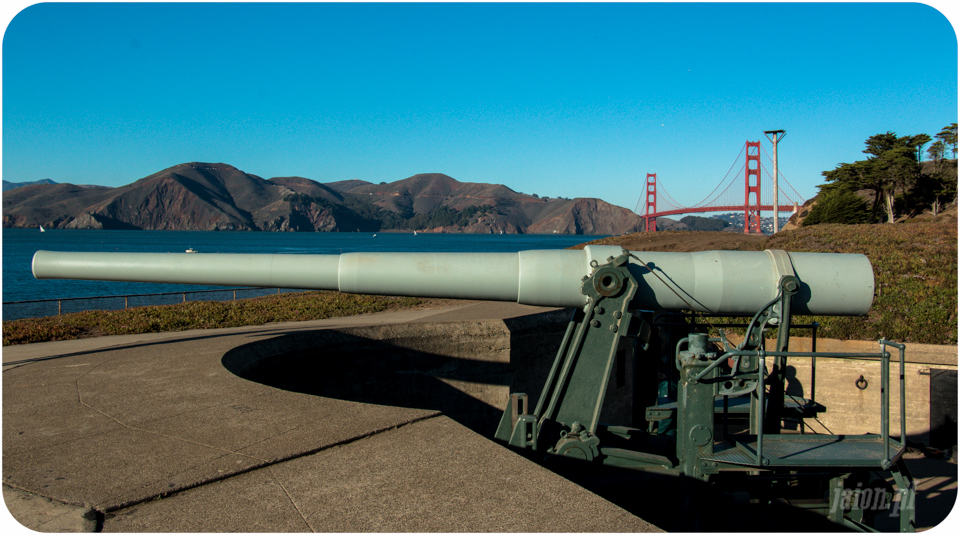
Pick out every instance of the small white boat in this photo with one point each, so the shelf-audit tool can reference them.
(42, 229)
(191, 250)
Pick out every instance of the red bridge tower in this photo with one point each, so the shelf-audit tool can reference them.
(751, 216)
(650, 218)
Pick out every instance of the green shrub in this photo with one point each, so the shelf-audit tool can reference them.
(838, 206)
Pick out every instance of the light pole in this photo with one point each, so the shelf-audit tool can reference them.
(777, 136)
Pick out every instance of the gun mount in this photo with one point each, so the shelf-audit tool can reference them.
(620, 299)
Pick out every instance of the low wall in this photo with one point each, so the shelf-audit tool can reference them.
(468, 370)
(930, 376)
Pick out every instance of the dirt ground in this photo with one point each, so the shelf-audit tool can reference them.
(684, 242)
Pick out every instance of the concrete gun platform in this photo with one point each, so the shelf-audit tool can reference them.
(153, 433)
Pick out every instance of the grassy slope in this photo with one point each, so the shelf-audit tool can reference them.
(915, 274)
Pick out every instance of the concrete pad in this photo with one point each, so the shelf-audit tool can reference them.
(157, 434)
(45, 515)
(130, 425)
(134, 422)
(117, 468)
(481, 311)
(430, 476)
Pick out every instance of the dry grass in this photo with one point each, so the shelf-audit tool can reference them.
(915, 274)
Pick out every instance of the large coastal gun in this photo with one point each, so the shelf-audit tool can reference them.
(614, 294)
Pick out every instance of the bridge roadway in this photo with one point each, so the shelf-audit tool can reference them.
(730, 208)
(151, 433)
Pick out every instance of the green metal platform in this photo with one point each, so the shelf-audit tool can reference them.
(810, 451)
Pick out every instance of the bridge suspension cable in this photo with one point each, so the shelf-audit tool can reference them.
(726, 196)
(705, 201)
(796, 198)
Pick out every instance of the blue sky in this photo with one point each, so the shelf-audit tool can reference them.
(572, 100)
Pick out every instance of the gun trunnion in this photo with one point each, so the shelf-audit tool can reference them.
(620, 301)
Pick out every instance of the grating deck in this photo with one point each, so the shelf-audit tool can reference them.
(810, 451)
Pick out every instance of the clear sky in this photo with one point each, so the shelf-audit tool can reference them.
(572, 100)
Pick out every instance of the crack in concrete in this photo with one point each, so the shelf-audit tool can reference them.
(134, 428)
(292, 501)
(266, 464)
(258, 462)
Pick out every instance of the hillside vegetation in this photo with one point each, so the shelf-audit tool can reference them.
(914, 268)
(893, 182)
(915, 274)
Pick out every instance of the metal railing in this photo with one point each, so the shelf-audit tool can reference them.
(884, 357)
(54, 307)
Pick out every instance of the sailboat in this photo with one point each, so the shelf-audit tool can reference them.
(42, 229)
(414, 233)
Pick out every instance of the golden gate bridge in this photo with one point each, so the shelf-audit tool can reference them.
(726, 197)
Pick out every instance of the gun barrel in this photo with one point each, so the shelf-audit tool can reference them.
(722, 282)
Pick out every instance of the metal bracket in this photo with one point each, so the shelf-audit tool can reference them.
(568, 409)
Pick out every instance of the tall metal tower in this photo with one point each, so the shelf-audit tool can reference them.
(777, 136)
(650, 217)
(751, 215)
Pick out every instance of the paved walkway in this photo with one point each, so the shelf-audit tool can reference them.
(152, 433)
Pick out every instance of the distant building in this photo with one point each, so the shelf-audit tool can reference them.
(736, 222)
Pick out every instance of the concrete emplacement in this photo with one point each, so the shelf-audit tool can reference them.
(371, 423)
(156, 433)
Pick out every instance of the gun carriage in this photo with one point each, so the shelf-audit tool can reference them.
(619, 299)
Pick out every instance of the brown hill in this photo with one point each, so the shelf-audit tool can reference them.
(423, 193)
(190, 196)
(344, 185)
(217, 196)
(587, 216)
(512, 212)
(309, 187)
(50, 205)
